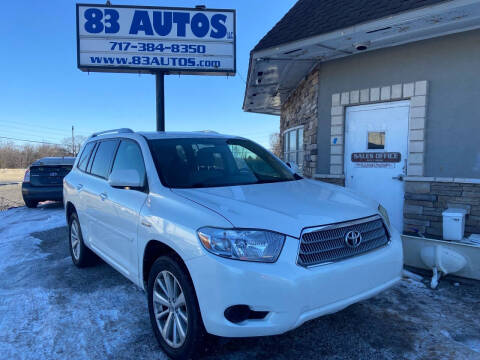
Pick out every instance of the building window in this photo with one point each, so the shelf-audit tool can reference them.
(376, 140)
(293, 146)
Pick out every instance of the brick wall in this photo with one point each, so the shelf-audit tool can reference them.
(425, 202)
(301, 108)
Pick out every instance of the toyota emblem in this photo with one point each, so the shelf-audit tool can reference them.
(353, 239)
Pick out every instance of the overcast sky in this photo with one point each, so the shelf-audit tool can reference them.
(43, 93)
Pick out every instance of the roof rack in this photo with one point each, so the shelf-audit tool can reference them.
(113, 131)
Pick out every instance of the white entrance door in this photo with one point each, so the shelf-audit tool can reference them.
(376, 149)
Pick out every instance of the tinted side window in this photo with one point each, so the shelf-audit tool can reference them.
(129, 157)
(94, 151)
(103, 158)
(82, 163)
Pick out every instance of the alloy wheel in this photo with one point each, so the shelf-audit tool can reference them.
(170, 309)
(75, 239)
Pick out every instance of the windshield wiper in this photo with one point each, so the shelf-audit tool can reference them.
(198, 185)
(267, 181)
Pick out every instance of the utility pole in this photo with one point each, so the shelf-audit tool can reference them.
(73, 142)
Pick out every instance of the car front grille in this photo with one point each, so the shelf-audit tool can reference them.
(327, 244)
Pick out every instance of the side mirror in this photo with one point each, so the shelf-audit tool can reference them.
(125, 179)
(294, 167)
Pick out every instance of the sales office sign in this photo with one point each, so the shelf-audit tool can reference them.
(149, 39)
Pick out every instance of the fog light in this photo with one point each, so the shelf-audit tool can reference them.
(239, 313)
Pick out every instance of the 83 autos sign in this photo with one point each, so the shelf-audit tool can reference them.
(149, 39)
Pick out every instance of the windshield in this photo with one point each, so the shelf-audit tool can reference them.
(204, 162)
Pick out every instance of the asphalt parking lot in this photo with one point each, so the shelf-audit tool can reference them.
(49, 309)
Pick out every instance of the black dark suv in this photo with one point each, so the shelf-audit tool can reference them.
(44, 180)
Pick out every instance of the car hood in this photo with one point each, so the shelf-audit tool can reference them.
(285, 207)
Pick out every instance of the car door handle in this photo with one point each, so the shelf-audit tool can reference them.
(145, 223)
(79, 187)
(103, 196)
(399, 177)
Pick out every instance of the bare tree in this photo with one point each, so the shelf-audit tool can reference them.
(15, 156)
(74, 148)
(275, 144)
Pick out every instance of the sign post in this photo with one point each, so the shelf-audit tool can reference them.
(160, 100)
(156, 40)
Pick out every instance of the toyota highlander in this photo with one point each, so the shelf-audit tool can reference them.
(224, 237)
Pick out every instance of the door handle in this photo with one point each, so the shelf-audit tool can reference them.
(399, 177)
(103, 196)
(79, 187)
(145, 223)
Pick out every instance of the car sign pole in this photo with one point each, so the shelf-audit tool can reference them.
(160, 99)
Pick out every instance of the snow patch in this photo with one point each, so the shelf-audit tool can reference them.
(17, 224)
(473, 344)
(445, 333)
(411, 275)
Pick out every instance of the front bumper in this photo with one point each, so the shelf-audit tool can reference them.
(42, 193)
(289, 293)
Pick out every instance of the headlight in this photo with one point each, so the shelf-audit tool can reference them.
(248, 245)
(384, 214)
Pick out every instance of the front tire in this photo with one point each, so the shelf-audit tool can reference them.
(81, 255)
(174, 311)
(30, 203)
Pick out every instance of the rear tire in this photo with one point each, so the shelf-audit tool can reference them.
(30, 203)
(174, 311)
(81, 255)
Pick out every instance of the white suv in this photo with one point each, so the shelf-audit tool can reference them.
(223, 236)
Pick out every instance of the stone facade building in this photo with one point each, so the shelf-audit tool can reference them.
(380, 97)
(300, 109)
(426, 199)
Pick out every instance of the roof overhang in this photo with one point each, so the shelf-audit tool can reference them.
(275, 72)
